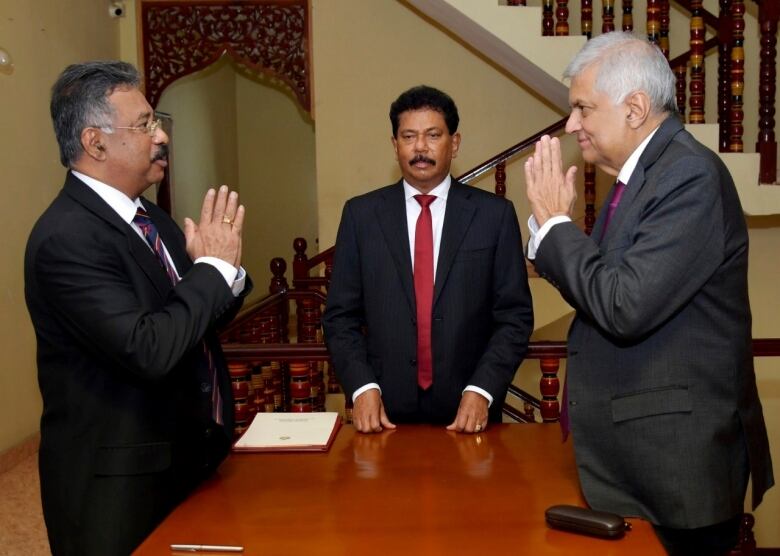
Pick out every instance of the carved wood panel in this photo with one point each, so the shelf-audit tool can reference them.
(267, 36)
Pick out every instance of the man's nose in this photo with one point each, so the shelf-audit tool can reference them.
(573, 123)
(421, 143)
(160, 137)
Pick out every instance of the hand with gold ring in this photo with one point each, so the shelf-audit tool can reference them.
(210, 237)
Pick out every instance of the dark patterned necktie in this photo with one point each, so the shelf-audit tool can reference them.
(149, 230)
(423, 290)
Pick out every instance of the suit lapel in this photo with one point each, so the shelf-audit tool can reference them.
(657, 145)
(457, 217)
(391, 215)
(139, 249)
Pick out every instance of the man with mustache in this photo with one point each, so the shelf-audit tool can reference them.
(137, 405)
(429, 312)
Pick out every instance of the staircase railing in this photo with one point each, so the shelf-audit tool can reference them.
(728, 29)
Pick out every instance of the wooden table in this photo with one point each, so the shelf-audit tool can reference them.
(415, 490)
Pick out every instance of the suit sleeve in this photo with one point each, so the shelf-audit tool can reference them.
(674, 249)
(512, 311)
(343, 319)
(88, 287)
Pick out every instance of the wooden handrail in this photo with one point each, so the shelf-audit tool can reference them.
(512, 151)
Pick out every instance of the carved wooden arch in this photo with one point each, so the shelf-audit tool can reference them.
(267, 36)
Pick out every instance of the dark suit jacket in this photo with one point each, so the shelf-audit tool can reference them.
(482, 313)
(663, 404)
(126, 430)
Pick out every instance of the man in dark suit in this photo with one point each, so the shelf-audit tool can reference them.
(433, 270)
(136, 398)
(662, 398)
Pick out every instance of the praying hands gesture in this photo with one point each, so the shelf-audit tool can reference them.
(550, 192)
(218, 234)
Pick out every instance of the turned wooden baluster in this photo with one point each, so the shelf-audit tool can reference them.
(562, 18)
(680, 73)
(628, 15)
(586, 17)
(654, 21)
(768, 14)
(548, 23)
(501, 179)
(696, 115)
(279, 284)
(736, 115)
(607, 16)
(663, 44)
(550, 386)
(724, 74)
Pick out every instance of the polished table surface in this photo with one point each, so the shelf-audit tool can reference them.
(416, 490)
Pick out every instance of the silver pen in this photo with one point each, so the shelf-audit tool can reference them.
(206, 548)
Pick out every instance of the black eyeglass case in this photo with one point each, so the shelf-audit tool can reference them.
(585, 521)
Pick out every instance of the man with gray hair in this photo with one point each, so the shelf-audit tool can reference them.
(662, 400)
(137, 404)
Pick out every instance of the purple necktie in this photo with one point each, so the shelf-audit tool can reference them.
(616, 195)
(149, 231)
(620, 187)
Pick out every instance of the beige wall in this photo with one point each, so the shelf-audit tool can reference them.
(360, 69)
(277, 176)
(245, 131)
(204, 140)
(42, 37)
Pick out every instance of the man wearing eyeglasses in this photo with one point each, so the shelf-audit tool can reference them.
(136, 397)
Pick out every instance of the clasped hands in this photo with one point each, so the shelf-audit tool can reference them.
(368, 413)
(218, 234)
(550, 191)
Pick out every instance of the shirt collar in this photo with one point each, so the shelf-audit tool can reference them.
(441, 191)
(633, 160)
(123, 205)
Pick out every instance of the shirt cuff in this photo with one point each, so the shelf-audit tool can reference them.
(369, 386)
(481, 392)
(235, 278)
(537, 234)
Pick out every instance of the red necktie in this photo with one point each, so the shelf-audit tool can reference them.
(423, 290)
(613, 204)
(149, 231)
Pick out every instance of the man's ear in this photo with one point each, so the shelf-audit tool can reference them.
(395, 146)
(92, 143)
(639, 108)
(455, 144)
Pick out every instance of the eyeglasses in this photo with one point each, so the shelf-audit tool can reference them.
(150, 128)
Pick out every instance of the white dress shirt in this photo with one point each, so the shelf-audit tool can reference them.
(125, 207)
(537, 233)
(413, 209)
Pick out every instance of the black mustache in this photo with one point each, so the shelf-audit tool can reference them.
(161, 154)
(421, 158)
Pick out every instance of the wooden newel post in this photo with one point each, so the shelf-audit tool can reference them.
(549, 386)
(300, 260)
(501, 179)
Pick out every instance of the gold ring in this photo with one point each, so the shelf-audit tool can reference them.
(226, 220)
(478, 428)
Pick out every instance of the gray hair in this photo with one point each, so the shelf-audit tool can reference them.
(79, 99)
(627, 63)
